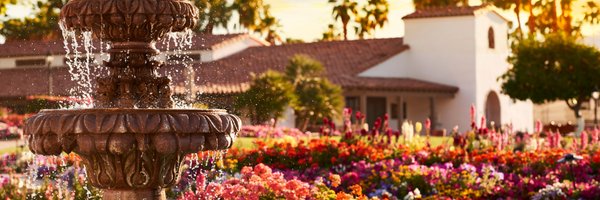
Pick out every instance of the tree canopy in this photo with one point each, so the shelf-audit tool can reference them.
(316, 97)
(214, 13)
(303, 86)
(366, 17)
(42, 26)
(267, 98)
(557, 68)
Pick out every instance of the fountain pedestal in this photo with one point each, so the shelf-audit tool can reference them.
(135, 194)
(132, 143)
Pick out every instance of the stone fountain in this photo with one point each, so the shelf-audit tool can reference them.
(132, 142)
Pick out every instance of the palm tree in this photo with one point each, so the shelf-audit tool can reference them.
(345, 10)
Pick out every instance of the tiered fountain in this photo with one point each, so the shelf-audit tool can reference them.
(132, 142)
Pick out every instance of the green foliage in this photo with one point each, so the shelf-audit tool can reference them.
(303, 87)
(42, 26)
(316, 97)
(557, 68)
(549, 16)
(331, 34)
(294, 41)
(268, 26)
(367, 17)
(375, 15)
(267, 98)
(249, 11)
(214, 13)
(3, 4)
(254, 15)
(344, 10)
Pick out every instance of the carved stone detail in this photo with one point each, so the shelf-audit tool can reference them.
(130, 20)
(131, 148)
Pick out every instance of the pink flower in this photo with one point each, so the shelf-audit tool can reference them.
(472, 113)
(538, 126)
(246, 171)
(296, 189)
(213, 190)
(262, 170)
(200, 182)
(584, 139)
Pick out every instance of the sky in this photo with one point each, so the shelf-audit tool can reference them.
(308, 19)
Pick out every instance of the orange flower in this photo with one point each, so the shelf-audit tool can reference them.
(356, 190)
(335, 180)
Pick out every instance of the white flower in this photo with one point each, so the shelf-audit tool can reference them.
(550, 192)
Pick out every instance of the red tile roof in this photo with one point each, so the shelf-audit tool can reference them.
(343, 61)
(43, 48)
(393, 84)
(444, 12)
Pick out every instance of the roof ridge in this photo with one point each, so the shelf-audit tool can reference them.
(445, 11)
(341, 41)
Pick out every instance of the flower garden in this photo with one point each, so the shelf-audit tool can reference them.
(379, 163)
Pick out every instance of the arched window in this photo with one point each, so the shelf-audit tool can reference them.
(491, 42)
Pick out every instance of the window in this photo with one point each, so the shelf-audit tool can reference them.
(404, 110)
(395, 111)
(491, 42)
(30, 62)
(353, 103)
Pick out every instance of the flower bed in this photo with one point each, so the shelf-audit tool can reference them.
(363, 164)
(265, 131)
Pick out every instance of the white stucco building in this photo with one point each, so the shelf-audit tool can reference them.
(463, 47)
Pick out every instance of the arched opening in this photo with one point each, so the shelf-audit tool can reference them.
(492, 109)
(491, 41)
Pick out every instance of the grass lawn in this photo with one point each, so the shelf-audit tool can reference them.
(12, 149)
(248, 142)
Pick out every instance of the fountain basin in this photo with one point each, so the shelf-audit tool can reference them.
(129, 20)
(131, 149)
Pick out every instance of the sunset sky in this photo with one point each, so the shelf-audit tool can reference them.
(308, 19)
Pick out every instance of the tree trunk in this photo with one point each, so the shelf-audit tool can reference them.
(209, 27)
(304, 125)
(518, 13)
(345, 30)
(531, 21)
(576, 108)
